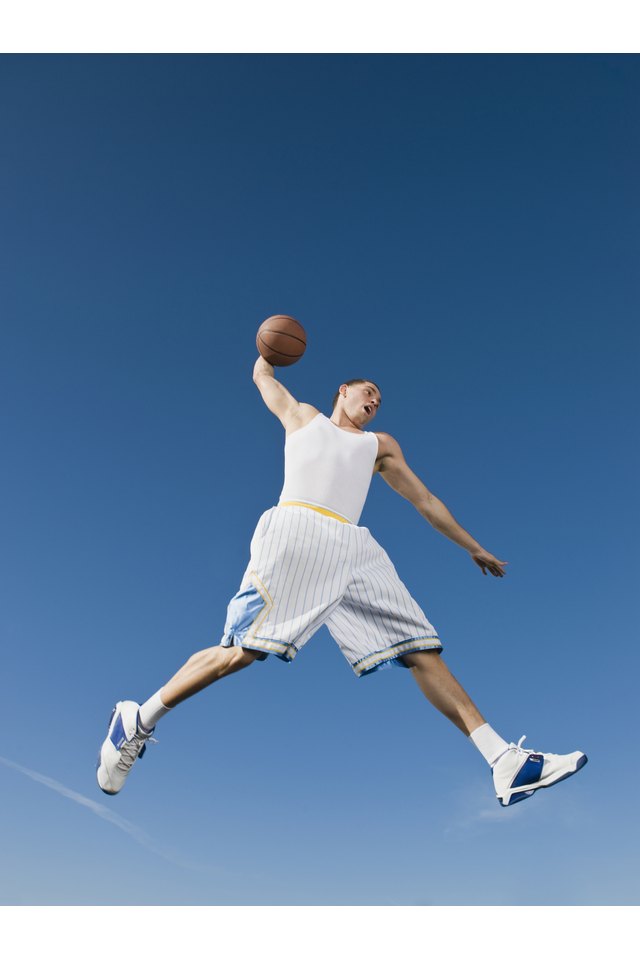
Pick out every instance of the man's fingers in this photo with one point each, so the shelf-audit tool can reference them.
(495, 567)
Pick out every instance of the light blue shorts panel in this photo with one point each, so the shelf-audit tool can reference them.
(244, 610)
(307, 570)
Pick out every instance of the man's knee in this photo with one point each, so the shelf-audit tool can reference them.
(421, 658)
(240, 657)
(250, 656)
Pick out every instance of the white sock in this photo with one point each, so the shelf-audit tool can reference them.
(489, 743)
(152, 710)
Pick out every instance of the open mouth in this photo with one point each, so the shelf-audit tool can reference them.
(368, 409)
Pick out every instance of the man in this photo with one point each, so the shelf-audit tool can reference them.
(311, 564)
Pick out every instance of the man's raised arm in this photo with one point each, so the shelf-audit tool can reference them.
(395, 470)
(288, 410)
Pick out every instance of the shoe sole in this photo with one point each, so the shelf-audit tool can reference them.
(525, 792)
(110, 793)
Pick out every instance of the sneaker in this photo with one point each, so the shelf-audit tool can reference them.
(125, 742)
(519, 773)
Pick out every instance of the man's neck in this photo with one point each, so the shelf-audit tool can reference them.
(340, 419)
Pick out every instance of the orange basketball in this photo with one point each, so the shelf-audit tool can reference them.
(281, 340)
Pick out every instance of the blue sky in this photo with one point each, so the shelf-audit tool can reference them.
(461, 229)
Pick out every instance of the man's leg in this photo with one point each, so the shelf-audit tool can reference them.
(203, 669)
(517, 773)
(200, 671)
(442, 689)
(131, 725)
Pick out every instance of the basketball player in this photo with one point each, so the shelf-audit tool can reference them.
(311, 564)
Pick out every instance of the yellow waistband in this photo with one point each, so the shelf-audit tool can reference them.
(310, 506)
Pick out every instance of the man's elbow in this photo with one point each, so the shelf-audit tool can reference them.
(425, 506)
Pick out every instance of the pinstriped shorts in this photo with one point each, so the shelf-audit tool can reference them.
(307, 570)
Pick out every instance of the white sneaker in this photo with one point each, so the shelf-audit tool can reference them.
(125, 742)
(519, 773)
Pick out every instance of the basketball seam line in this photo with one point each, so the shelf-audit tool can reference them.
(281, 352)
(281, 333)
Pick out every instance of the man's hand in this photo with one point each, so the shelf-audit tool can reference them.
(486, 561)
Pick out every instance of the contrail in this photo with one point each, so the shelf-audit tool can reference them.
(100, 811)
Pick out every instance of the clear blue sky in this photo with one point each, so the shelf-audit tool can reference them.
(461, 229)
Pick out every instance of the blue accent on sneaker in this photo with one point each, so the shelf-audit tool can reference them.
(117, 735)
(111, 716)
(529, 772)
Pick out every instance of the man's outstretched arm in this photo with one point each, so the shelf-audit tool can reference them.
(288, 410)
(394, 469)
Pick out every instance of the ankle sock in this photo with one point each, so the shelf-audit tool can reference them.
(489, 743)
(152, 710)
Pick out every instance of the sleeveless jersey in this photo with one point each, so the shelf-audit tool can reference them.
(328, 467)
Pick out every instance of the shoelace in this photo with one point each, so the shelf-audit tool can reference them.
(133, 749)
(516, 747)
(522, 750)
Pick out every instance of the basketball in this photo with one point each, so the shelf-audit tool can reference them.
(281, 340)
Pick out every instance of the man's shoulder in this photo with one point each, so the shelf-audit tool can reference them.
(303, 416)
(307, 413)
(388, 446)
(309, 410)
(387, 441)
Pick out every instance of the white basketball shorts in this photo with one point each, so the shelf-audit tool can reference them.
(309, 568)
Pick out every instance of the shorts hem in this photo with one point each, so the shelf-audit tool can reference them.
(389, 657)
(283, 651)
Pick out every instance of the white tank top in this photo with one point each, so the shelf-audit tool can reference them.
(329, 467)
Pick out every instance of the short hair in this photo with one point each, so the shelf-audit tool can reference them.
(350, 383)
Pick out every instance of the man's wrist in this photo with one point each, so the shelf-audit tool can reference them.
(263, 367)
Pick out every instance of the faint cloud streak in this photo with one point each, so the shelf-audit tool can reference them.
(473, 813)
(135, 832)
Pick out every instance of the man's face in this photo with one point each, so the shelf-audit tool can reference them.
(360, 402)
